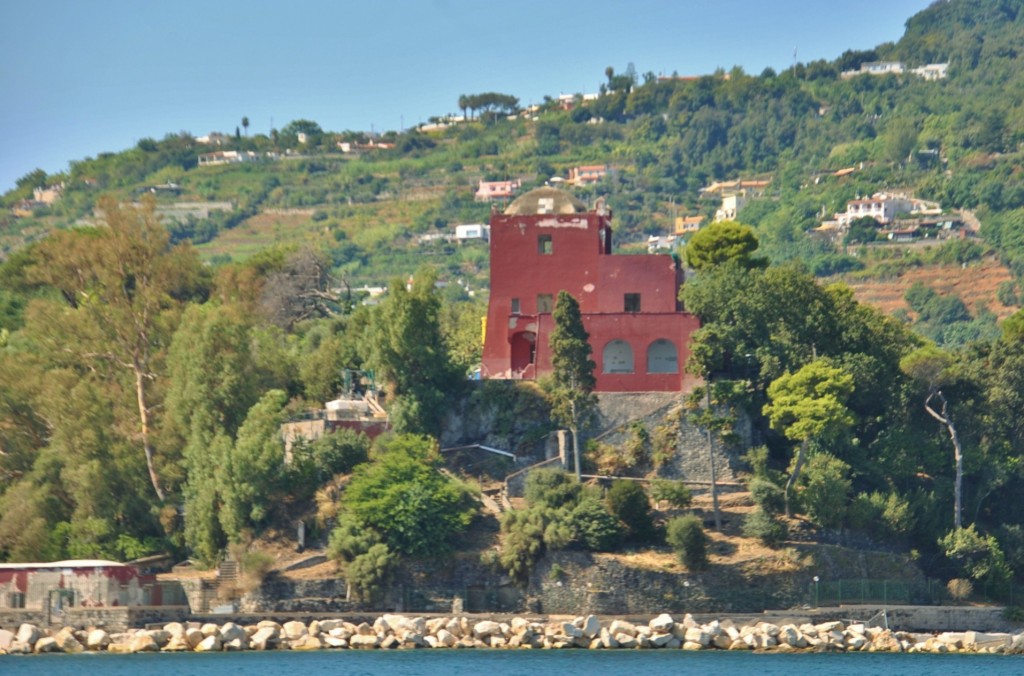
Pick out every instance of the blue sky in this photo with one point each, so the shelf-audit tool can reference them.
(79, 78)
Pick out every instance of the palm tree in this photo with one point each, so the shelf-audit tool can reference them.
(245, 125)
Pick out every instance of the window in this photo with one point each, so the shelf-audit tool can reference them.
(662, 357)
(545, 303)
(544, 246)
(515, 306)
(617, 357)
(631, 302)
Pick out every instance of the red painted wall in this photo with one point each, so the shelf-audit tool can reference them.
(580, 262)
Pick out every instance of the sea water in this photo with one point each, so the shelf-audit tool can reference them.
(508, 663)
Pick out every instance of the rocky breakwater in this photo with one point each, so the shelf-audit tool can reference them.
(591, 632)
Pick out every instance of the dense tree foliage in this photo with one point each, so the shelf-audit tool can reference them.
(133, 379)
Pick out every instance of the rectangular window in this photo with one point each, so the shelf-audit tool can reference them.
(544, 246)
(631, 302)
(515, 306)
(545, 303)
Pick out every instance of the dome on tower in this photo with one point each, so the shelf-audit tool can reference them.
(545, 201)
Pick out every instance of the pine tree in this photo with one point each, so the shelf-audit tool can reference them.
(573, 396)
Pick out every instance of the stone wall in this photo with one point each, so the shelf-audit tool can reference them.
(665, 409)
(111, 619)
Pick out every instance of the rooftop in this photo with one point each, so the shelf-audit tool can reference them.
(545, 201)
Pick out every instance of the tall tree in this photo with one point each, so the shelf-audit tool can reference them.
(124, 287)
(721, 242)
(573, 395)
(930, 366)
(245, 124)
(411, 355)
(809, 405)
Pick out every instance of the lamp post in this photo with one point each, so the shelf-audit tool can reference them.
(816, 580)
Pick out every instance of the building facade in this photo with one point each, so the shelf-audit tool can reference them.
(547, 241)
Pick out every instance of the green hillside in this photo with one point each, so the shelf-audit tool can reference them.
(160, 319)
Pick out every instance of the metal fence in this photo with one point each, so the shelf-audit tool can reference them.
(894, 592)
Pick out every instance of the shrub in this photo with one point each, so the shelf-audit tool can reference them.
(959, 589)
(402, 495)
(594, 527)
(368, 573)
(827, 484)
(637, 445)
(685, 534)
(551, 488)
(628, 502)
(255, 568)
(664, 443)
(766, 495)
(757, 458)
(522, 542)
(765, 527)
(674, 493)
(888, 515)
(976, 557)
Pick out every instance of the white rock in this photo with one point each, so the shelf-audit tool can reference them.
(231, 631)
(569, 629)
(143, 643)
(307, 642)
(98, 639)
(236, 645)
(591, 626)
(626, 641)
(486, 628)
(294, 630)
(28, 634)
(364, 641)
(194, 636)
(698, 635)
(173, 628)
(622, 627)
(662, 640)
(67, 642)
(210, 644)
(662, 624)
(46, 644)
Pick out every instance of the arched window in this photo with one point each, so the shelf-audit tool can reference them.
(617, 357)
(662, 357)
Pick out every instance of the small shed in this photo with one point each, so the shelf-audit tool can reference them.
(82, 582)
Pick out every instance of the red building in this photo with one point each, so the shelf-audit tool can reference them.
(88, 583)
(545, 242)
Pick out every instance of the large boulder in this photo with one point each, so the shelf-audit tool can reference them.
(307, 643)
(178, 643)
(486, 628)
(622, 627)
(364, 641)
(97, 639)
(161, 636)
(67, 642)
(231, 631)
(6, 639)
(265, 638)
(210, 644)
(662, 624)
(591, 626)
(294, 630)
(28, 634)
(143, 643)
(47, 644)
